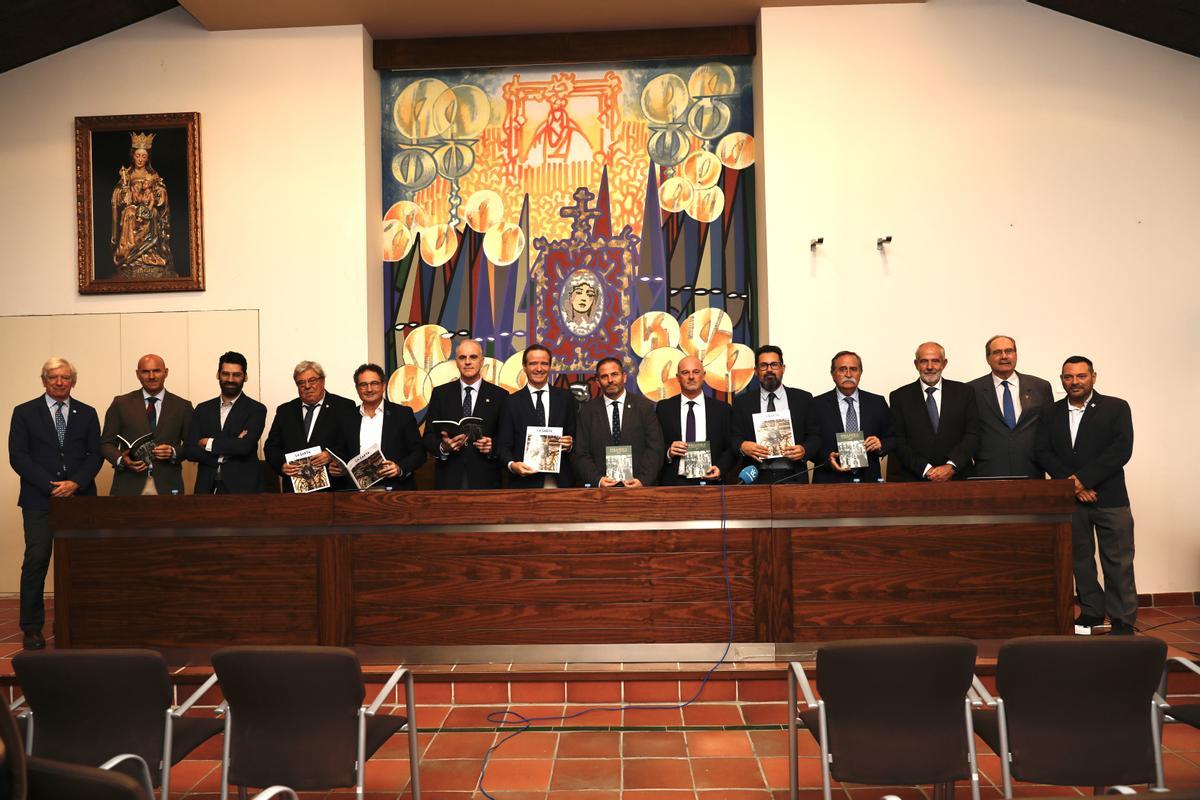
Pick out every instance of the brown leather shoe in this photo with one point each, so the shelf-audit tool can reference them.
(33, 640)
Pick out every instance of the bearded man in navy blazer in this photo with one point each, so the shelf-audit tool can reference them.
(224, 432)
(316, 418)
(459, 462)
(691, 416)
(774, 396)
(847, 408)
(538, 405)
(617, 418)
(1088, 438)
(54, 446)
(936, 423)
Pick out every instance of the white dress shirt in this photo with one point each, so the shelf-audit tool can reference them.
(1075, 415)
(370, 430)
(1014, 387)
(66, 410)
(316, 413)
(545, 390)
(226, 406)
(843, 407)
(608, 403)
(462, 393)
(701, 418)
(937, 401)
(781, 403)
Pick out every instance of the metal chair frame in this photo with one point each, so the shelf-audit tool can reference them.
(1165, 707)
(798, 677)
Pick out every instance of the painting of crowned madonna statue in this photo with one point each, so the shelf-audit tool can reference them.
(138, 186)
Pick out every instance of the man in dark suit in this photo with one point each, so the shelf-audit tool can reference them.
(389, 426)
(1088, 438)
(466, 460)
(1010, 405)
(691, 416)
(538, 405)
(316, 418)
(224, 432)
(54, 446)
(849, 409)
(151, 409)
(617, 418)
(936, 423)
(772, 395)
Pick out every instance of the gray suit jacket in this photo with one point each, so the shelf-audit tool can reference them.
(127, 417)
(639, 428)
(1005, 451)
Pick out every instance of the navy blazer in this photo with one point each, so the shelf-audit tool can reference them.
(287, 432)
(35, 455)
(917, 444)
(468, 468)
(519, 415)
(240, 472)
(804, 425)
(1103, 446)
(718, 419)
(400, 443)
(874, 419)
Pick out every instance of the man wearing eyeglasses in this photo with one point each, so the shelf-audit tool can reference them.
(389, 426)
(1010, 405)
(314, 419)
(772, 395)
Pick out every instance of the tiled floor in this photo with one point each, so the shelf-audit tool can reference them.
(728, 748)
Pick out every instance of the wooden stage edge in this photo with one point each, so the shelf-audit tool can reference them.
(655, 574)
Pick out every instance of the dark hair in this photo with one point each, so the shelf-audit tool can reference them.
(232, 357)
(370, 368)
(767, 348)
(607, 360)
(535, 346)
(833, 360)
(1080, 360)
(987, 347)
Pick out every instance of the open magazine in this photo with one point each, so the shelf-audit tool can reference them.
(140, 449)
(364, 470)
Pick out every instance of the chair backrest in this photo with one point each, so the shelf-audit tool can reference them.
(90, 705)
(12, 758)
(58, 780)
(294, 714)
(895, 708)
(1078, 709)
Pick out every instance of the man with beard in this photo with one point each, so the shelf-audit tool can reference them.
(150, 409)
(224, 433)
(616, 418)
(772, 395)
(936, 423)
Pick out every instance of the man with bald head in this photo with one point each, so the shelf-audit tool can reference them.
(691, 416)
(465, 460)
(150, 409)
(935, 421)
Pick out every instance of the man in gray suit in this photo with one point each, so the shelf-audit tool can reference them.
(1010, 405)
(617, 418)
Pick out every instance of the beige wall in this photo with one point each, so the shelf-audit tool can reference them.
(1041, 177)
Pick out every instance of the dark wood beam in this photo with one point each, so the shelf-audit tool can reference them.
(538, 49)
(33, 29)
(1170, 23)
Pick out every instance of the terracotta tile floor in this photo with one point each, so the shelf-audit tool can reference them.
(723, 749)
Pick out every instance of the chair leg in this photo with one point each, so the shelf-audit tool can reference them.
(826, 778)
(242, 793)
(793, 747)
(414, 748)
(1156, 722)
(225, 754)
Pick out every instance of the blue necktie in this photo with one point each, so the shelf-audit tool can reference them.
(931, 405)
(1010, 413)
(467, 402)
(851, 416)
(60, 423)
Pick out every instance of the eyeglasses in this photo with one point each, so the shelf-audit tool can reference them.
(369, 384)
(309, 382)
(770, 364)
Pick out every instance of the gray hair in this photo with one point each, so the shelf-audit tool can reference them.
(935, 344)
(305, 366)
(55, 362)
(987, 348)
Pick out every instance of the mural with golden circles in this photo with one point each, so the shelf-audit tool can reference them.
(602, 210)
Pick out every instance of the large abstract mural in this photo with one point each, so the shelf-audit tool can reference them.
(603, 211)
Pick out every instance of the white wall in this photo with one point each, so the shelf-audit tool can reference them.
(1041, 177)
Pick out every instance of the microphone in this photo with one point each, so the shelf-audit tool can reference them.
(748, 475)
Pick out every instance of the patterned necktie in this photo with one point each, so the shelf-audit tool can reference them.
(539, 410)
(308, 420)
(1010, 413)
(771, 402)
(616, 423)
(467, 402)
(931, 405)
(851, 416)
(151, 416)
(690, 433)
(60, 423)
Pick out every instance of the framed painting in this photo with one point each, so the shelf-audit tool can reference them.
(138, 203)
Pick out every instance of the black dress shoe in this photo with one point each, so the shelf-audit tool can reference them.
(33, 640)
(1120, 628)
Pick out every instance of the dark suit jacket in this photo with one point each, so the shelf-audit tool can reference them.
(639, 429)
(468, 468)
(719, 429)
(874, 419)
(1103, 445)
(127, 417)
(804, 425)
(401, 442)
(287, 432)
(1005, 451)
(35, 455)
(518, 415)
(956, 439)
(240, 471)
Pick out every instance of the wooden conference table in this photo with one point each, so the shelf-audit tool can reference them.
(579, 566)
